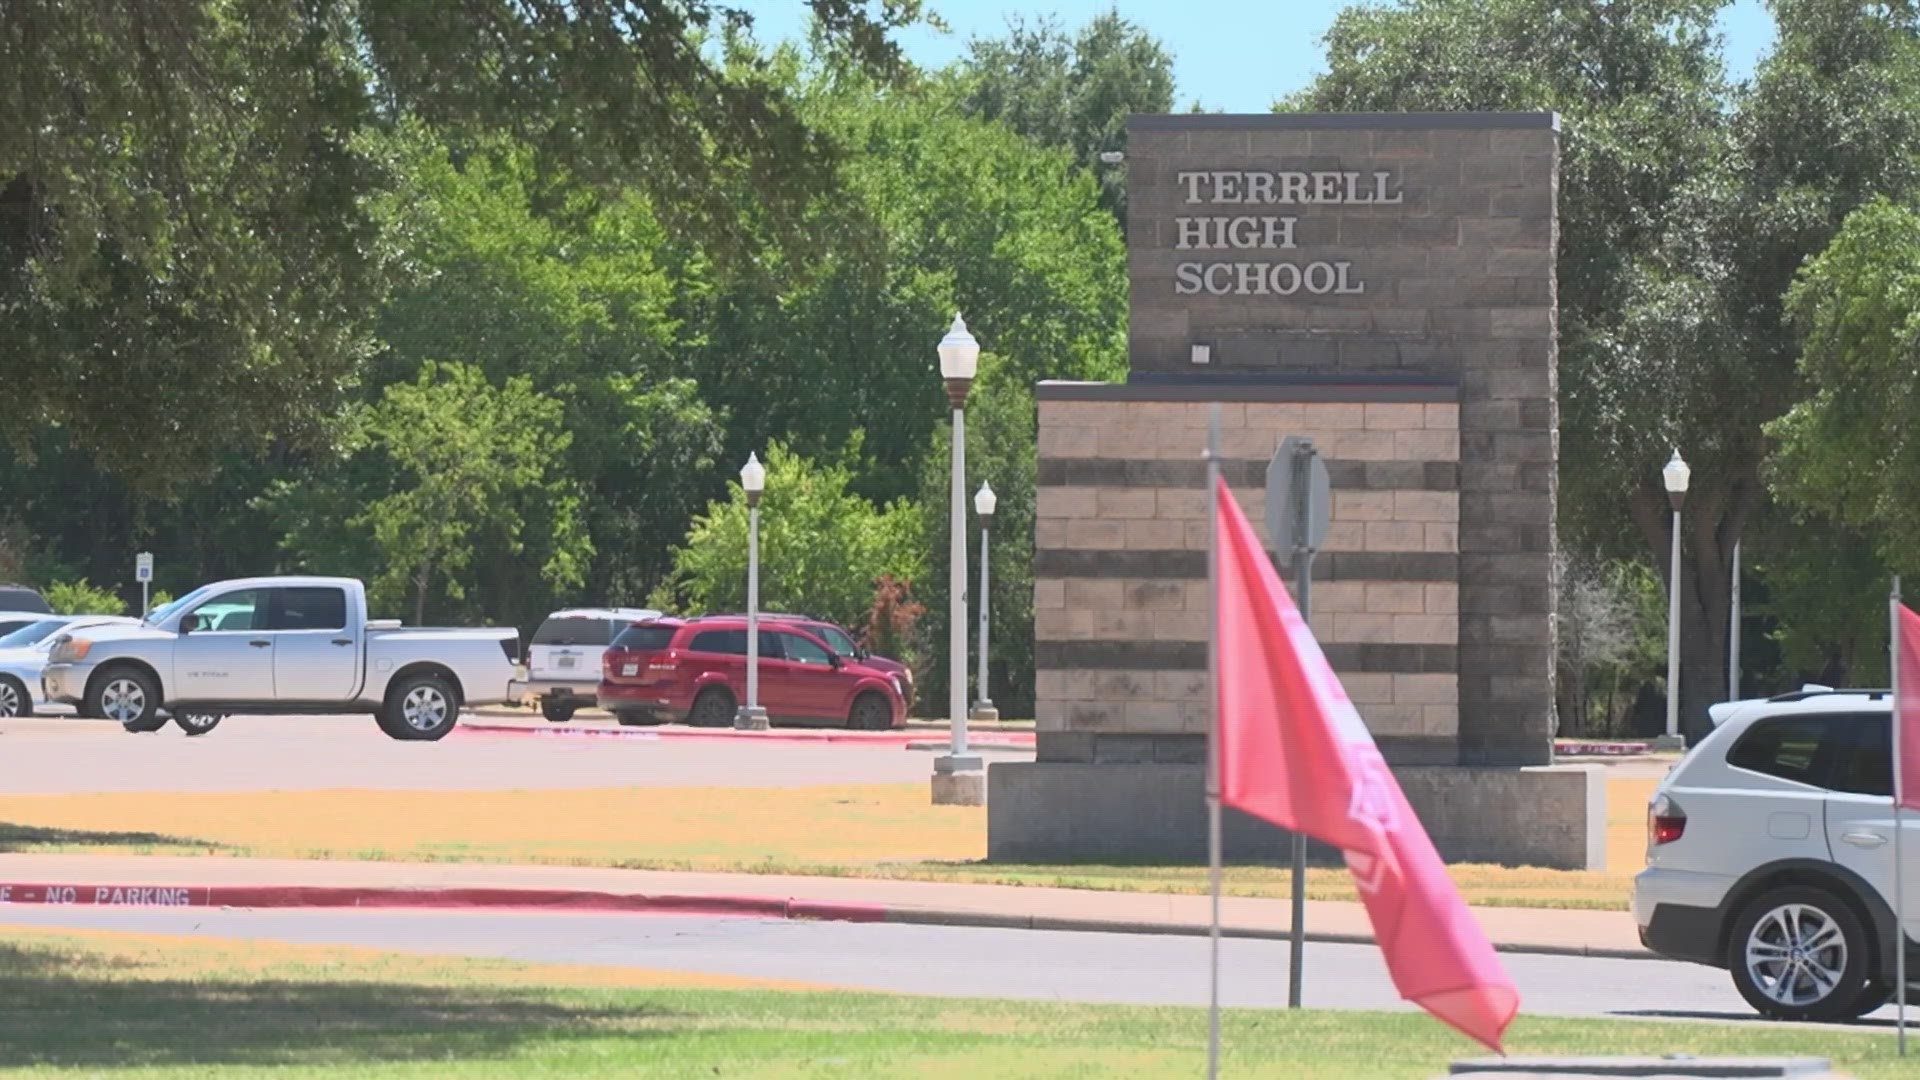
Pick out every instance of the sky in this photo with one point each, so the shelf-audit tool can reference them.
(1233, 55)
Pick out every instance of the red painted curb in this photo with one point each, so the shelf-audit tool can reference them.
(853, 738)
(317, 896)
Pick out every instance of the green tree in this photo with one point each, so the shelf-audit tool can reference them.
(939, 213)
(525, 274)
(461, 465)
(188, 248)
(1850, 450)
(1825, 589)
(1001, 451)
(822, 547)
(1074, 92)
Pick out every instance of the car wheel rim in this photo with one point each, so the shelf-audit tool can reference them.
(425, 708)
(199, 720)
(123, 700)
(9, 700)
(1797, 954)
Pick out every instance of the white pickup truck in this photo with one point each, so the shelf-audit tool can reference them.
(280, 645)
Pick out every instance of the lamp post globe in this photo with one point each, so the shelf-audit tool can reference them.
(1675, 477)
(984, 501)
(959, 352)
(753, 481)
(959, 779)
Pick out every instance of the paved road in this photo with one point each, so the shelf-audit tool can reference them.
(58, 755)
(1020, 964)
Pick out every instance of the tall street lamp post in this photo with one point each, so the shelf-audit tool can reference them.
(959, 779)
(753, 480)
(1675, 477)
(984, 501)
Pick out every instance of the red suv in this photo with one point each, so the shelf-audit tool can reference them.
(840, 641)
(696, 670)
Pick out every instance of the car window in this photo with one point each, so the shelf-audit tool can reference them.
(1863, 764)
(724, 642)
(243, 610)
(31, 633)
(837, 640)
(1789, 747)
(640, 638)
(805, 650)
(8, 626)
(580, 631)
(323, 608)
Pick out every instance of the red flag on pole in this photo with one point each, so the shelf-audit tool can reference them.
(1909, 718)
(1294, 751)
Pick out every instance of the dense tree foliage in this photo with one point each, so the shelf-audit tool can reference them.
(1072, 91)
(823, 548)
(187, 247)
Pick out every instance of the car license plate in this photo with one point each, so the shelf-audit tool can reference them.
(565, 661)
(629, 669)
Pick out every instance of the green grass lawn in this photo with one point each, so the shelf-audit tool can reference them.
(151, 1006)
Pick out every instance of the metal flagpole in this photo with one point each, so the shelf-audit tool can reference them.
(1213, 736)
(1899, 865)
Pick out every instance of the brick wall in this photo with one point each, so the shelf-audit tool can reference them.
(1120, 602)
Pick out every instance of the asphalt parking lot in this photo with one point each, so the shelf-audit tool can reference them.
(61, 755)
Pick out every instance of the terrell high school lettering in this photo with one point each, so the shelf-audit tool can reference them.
(1262, 232)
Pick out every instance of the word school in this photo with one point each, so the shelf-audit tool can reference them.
(1268, 233)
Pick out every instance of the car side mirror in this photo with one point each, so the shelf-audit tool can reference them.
(189, 623)
(834, 659)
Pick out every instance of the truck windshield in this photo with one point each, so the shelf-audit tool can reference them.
(159, 615)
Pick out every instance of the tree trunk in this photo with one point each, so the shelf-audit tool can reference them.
(421, 581)
(1711, 522)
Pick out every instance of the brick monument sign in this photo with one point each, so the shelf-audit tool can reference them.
(1383, 284)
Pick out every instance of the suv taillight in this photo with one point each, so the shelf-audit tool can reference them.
(1666, 822)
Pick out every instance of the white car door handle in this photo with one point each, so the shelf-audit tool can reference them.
(1864, 839)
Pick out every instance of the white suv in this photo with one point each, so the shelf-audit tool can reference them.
(563, 663)
(1770, 853)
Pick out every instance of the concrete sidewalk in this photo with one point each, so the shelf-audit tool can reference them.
(1574, 933)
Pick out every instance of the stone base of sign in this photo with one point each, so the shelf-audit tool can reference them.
(1669, 742)
(751, 719)
(1050, 812)
(986, 712)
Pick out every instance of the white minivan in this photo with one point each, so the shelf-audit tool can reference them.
(563, 664)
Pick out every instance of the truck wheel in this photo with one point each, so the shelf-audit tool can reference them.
(14, 699)
(197, 723)
(128, 697)
(420, 708)
(557, 710)
(713, 708)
